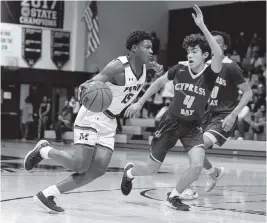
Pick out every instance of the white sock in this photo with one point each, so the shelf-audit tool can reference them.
(44, 152)
(174, 193)
(129, 174)
(51, 191)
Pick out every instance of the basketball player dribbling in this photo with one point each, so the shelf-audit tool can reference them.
(220, 118)
(193, 82)
(94, 132)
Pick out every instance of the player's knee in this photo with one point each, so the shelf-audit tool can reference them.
(79, 165)
(99, 171)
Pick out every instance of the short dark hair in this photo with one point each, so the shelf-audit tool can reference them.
(137, 37)
(226, 38)
(197, 39)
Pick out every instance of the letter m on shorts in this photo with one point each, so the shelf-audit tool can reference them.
(84, 136)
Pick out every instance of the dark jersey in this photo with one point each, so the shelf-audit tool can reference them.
(224, 96)
(191, 91)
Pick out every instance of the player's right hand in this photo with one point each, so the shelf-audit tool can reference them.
(81, 88)
(132, 110)
(198, 18)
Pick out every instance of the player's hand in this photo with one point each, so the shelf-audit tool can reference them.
(228, 122)
(156, 67)
(132, 110)
(81, 88)
(198, 18)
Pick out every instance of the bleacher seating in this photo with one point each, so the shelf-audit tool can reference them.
(137, 127)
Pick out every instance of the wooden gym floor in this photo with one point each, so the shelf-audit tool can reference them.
(239, 197)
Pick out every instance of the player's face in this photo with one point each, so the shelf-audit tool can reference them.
(221, 43)
(144, 51)
(195, 57)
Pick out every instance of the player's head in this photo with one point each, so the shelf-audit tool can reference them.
(197, 48)
(140, 45)
(223, 39)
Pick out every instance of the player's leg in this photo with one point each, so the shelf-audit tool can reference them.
(98, 159)
(193, 143)
(214, 134)
(164, 138)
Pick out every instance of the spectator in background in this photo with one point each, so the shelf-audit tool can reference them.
(75, 105)
(259, 122)
(241, 44)
(44, 112)
(64, 122)
(26, 118)
(155, 46)
(235, 57)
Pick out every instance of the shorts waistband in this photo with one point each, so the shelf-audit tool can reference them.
(109, 114)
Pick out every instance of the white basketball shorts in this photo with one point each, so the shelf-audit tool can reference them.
(94, 129)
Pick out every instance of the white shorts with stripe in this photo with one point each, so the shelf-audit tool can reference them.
(94, 129)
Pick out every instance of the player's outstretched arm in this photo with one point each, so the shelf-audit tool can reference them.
(216, 62)
(155, 87)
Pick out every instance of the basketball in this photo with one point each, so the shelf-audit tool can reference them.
(96, 96)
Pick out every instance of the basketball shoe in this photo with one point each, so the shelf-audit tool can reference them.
(211, 182)
(176, 203)
(47, 203)
(189, 193)
(126, 183)
(34, 157)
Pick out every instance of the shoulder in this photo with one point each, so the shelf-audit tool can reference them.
(115, 66)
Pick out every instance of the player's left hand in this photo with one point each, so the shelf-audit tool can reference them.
(198, 18)
(156, 67)
(228, 122)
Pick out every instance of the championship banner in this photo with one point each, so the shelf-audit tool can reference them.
(31, 45)
(33, 13)
(60, 48)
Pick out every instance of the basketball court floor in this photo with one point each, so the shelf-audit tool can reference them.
(240, 197)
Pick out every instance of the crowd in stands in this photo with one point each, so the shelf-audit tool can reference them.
(250, 55)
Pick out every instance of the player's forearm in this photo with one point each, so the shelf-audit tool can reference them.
(215, 48)
(153, 89)
(247, 95)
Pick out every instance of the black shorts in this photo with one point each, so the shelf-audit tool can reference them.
(169, 130)
(212, 125)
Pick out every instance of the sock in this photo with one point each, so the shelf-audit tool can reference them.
(213, 172)
(129, 174)
(174, 193)
(44, 152)
(51, 191)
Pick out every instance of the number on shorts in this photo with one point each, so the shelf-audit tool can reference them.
(188, 101)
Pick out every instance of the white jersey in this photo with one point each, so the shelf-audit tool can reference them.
(97, 128)
(124, 95)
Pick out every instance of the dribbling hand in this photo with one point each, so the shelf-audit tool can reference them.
(132, 110)
(198, 18)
